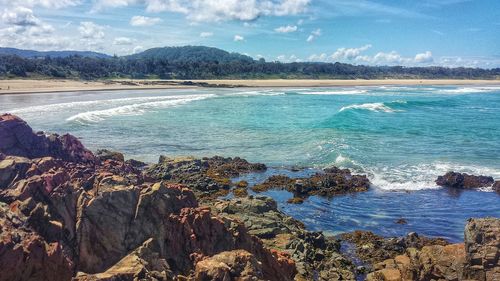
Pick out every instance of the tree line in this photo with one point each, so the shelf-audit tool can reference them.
(91, 68)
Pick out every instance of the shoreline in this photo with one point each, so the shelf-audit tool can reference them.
(32, 86)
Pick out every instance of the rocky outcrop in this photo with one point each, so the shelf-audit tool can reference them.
(330, 182)
(463, 180)
(316, 256)
(496, 186)
(373, 249)
(232, 265)
(477, 259)
(66, 212)
(18, 139)
(25, 255)
(482, 243)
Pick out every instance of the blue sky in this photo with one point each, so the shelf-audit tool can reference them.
(372, 32)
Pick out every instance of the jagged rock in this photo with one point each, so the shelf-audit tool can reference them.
(206, 175)
(482, 243)
(477, 260)
(463, 180)
(195, 233)
(313, 253)
(496, 186)
(373, 249)
(330, 182)
(25, 255)
(260, 215)
(231, 265)
(105, 154)
(144, 263)
(18, 139)
(117, 219)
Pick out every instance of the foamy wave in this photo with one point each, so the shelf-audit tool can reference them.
(336, 92)
(470, 90)
(132, 109)
(256, 93)
(80, 104)
(423, 176)
(377, 107)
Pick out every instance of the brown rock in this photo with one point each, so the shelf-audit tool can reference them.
(458, 180)
(482, 243)
(231, 265)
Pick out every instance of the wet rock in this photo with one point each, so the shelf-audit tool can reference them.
(314, 254)
(373, 249)
(206, 175)
(496, 186)
(463, 180)
(330, 182)
(18, 139)
(401, 221)
(295, 200)
(104, 154)
(482, 243)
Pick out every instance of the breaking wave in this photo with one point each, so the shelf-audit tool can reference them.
(133, 109)
(376, 107)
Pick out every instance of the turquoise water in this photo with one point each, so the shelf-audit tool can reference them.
(401, 137)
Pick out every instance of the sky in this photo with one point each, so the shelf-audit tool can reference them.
(363, 32)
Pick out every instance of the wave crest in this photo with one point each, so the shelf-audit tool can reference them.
(376, 107)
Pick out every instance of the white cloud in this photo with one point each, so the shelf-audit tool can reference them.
(137, 49)
(216, 10)
(320, 57)
(143, 21)
(90, 30)
(286, 29)
(314, 34)
(238, 38)
(424, 57)
(206, 34)
(20, 16)
(286, 59)
(53, 4)
(123, 41)
(349, 53)
(357, 55)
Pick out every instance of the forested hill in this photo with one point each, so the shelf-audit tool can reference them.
(197, 62)
(53, 54)
(191, 54)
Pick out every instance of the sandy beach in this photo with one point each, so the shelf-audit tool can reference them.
(19, 86)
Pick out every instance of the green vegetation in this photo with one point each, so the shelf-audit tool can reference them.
(211, 63)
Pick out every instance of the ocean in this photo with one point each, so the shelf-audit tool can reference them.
(401, 137)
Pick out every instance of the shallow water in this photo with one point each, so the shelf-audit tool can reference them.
(401, 137)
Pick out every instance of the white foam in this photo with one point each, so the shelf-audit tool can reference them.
(133, 109)
(470, 90)
(336, 92)
(423, 176)
(80, 104)
(377, 107)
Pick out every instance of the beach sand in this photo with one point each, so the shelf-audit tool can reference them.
(19, 86)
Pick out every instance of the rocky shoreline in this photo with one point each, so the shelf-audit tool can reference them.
(69, 214)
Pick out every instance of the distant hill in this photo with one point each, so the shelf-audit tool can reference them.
(191, 54)
(53, 54)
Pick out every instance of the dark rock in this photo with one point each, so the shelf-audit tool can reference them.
(496, 186)
(463, 180)
(330, 182)
(401, 221)
(104, 154)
